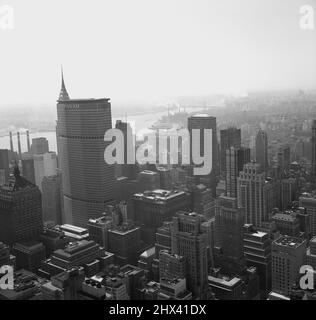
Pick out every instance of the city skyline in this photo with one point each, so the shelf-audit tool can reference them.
(152, 50)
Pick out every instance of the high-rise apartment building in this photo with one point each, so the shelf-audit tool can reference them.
(87, 179)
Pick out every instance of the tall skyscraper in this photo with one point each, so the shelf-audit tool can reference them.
(229, 222)
(151, 209)
(284, 159)
(28, 170)
(288, 255)
(87, 180)
(20, 210)
(202, 122)
(126, 170)
(230, 137)
(262, 150)
(255, 194)
(235, 161)
(257, 251)
(189, 241)
(313, 140)
(45, 165)
(39, 146)
(51, 199)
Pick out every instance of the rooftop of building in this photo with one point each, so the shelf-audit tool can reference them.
(149, 253)
(159, 194)
(202, 115)
(89, 100)
(17, 182)
(74, 247)
(224, 281)
(308, 195)
(290, 242)
(288, 216)
(123, 229)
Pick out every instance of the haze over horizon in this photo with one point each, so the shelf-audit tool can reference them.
(147, 49)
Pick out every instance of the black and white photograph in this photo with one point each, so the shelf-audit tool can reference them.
(157, 156)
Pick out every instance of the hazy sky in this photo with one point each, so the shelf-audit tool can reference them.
(150, 48)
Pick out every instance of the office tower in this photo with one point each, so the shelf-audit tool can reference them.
(163, 237)
(20, 210)
(308, 201)
(229, 221)
(257, 251)
(45, 165)
(51, 199)
(151, 209)
(28, 170)
(39, 146)
(284, 159)
(262, 150)
(288, 192)
(19, 145)
(310, 254)
(202, 200)
(313, 141)
(98, 229)
(171, 266)
(4, 166)
(148, 180)
(126, 170)
(188, 240)
(230, 137)
(287, 223)
(255, 194)
(202, 122)
(288, 255)
(88, 181)
(124, 242)
(235, 161)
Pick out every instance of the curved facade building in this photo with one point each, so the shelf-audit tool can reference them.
(87, 180)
